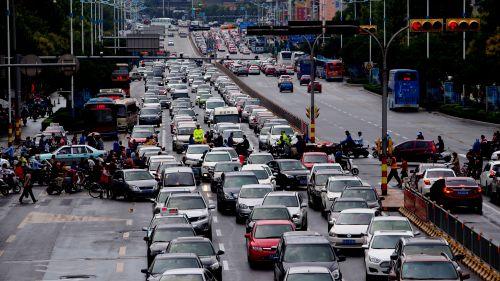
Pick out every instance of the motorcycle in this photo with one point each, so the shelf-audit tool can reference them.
(281, 151)
(10, 183)
(355, 150)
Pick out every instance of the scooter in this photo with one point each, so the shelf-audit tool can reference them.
(11, 182)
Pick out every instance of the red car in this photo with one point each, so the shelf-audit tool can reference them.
(139, 136)
(311, 158)
(305, 80)
(270, 70)
(317, 87)
(265, 235)
(458, 192)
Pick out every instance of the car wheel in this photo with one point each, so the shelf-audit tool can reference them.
(368, 277)
(479, 209)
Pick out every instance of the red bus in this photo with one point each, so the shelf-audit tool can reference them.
(120, 78)
(100, 116)
(330, 70)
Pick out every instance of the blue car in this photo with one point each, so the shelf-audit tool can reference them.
(286, 86)
(70, 153)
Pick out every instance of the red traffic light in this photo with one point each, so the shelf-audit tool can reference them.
(426, 25)
(416, 26)
(462, 24)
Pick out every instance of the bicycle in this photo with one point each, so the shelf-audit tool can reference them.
(98, 191)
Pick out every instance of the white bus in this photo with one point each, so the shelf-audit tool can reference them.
(285, 58)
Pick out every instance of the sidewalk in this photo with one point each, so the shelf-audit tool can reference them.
(32, 128)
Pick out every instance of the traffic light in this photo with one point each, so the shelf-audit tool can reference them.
(462, 24)
(364, 28)
(426, 25)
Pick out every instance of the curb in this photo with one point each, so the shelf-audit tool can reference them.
(466, 120)
(471, 261)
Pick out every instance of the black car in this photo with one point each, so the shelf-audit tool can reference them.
(305, 249)
(289, 173)
(150, 116)
(203, 248)
(229, 187)
(269, 212)
(164, 262)
(133, 183)
(163, 234)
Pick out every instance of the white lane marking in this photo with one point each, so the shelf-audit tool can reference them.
(122, 251)
(218, 232)
(216, 219)
(126, 235)
(397, 134)
(119, 267)
(205, 188)
(225, 265)
(11, 238)
(487, 205)
(221, 247)
(129, 222)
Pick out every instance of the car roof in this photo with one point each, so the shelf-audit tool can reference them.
(349, 199)
(358, 211)
(304, 237)
(260, 153)
(198, 271)
(308, 269)
(438, 169)
(180, 195)
(428, 258)
(176, 256)
(425, 240)
(270, 207)
(178, 169)
(192, 239)
(238, 173)
(174, 225)
(133, 170)
(315, 153)
(390, 218)
(286, 160)
(257, 186)
(254, 167)
(282, 193)
(392, 232)
(328, 172)
(346, 177)
(272, 222)
(199, 145)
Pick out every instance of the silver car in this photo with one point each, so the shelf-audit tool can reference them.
(250, 196)
(293, 201)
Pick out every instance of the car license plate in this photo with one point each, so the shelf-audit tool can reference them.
(348, 242)
(303, 181)
(463, 192)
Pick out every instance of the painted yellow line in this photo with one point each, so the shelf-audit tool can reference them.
(119, 267)
(122, 251)
(11, 239)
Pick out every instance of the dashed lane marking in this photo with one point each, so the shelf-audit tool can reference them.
(119, 267)
(225, 265)
(122, 251)
(126, 235)
(205, 188)
(218, 232)
(11, 238)
(216, 219)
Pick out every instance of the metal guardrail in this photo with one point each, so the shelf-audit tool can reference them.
(473, 242)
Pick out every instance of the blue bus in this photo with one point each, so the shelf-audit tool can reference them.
(100, 116)
(403, 90)
(303, 66)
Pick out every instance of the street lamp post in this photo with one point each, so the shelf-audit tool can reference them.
(72, 53)
(9, 85)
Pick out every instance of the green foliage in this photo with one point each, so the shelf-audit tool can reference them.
(64, 118)
(374, 88)
(474, 113)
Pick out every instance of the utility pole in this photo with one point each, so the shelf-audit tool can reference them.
(163, 7)
(92, 28)
(72, 53)
(9, 85)
(82, 32)
(427, 16)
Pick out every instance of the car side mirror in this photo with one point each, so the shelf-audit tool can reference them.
(211, 206)
(145, 228)
(220, 252)
(465, 276)
(459, 257)
(341, 258)
(144, 270)
(416, 232)
(146, 238)
(303, 205)
(392, 276)
(364, 246)
(274, 248)
(275, 174)
(247, 235)
(394, 256)
(323, 189)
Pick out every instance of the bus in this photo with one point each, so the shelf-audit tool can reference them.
(403, 89)
(113, 93)
(126, 113)
(285, 58)
(303, 66)
(257, 44)
(120, 78)
(329, 69)
(100, 116)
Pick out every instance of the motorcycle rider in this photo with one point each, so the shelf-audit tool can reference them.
(348, 143)
(339, 158)
(420, 136)
(440, 145)
(359, 140)
(243, 147)
(36, 167)
(455, 163)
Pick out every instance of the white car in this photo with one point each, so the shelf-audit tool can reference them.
(335, 186)
(489, 171)
(275, 134)
(378, 252)
(194, 153)
(230, 150)
(349, 229)
(211, 158)
(495, 155)
(262, 172)
(170, 43)
(250, 195)
(155, 161)
(324, 166)
(292, 200)
(430, 176)
(308, 273)
(389, 223)
(254, 70)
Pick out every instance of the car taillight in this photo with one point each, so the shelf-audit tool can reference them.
(427, 181)
(478, 189)
(447, 190)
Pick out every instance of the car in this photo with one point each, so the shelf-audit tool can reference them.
(229, 187)
(389, 223)
(289, 173)
(325, 166)
(286, 86)
(250, 195)
(305, 249)
(135, 76)
(203, 248)
(253, 70)
(180, 140)
(341, 204)
(430, 176)
(161, 219)
(350, 227)
(316, 273)
(311, 158)
(318, 88)
(70, 153)
(490, 170)
(221, 168)
(275, 134)
(270, 70)
(269, 212)
(133, 183)
(178, 177)
(334, 188)
(242, 71)
(193, 155)
(194, 206)
(457, 192)
(495, 189)
(170, 43)
(425, 267)
(170, 34)
(165, 262)
(418, 172)
(416, 151)
(265, 236)
(230, 150)
(150, 116)
(317, 186)
(305, 80)
(366, 192)
(294, 203)
(262, 172)
(378, 252)
(154, 161)
(284, 78)
(161, 236)
(210, 160)
(198, 274)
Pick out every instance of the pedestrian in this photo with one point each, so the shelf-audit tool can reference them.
(404, 168)
(19, 171)
(394, 172)
(420, 136)
(440, 145)
(455, 164)
(74, 140)
(27, 188)
(230, 141)
(83, 139)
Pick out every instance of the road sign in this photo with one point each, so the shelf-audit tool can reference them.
(31, 71)
(69, 70)
(316, 112)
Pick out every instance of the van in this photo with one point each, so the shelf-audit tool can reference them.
(225, 114)
(126, 113)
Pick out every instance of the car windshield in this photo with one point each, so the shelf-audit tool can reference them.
(271, 230)
(230, 118)
(141, 134)
(315, 159)
(308, 253)
(278, 130)
(431, 249)
(217, 157)
(188, 112)
(179, 86)
(153, 166)
(287, 201)
(270, 214)
(322, 178)
(260, 159)
(151, 100)
(291, 165)
(238, 181)
(309, 277)
(138, 176)
(186, 203)
(167, 235)
(196, 149)
(354, 218)
(214, 104)
(161, 265)
(182, 277)
(367, 194)
(198, 248)
(260, 174)
(339, 206)
(178, 179)
(148, 111)
(168, 220)
(227, 167)
(185, 130)
(431, 270)
(254, 192)
(385, 241)
(440, 174)
(399, 225)
(339, 185)
(236, 134)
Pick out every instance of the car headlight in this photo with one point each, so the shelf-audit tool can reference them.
(215, 266)
(336, 274)
(135, 188)
(374, 259)
(243, 206)
(332, 234)
(289, 176)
